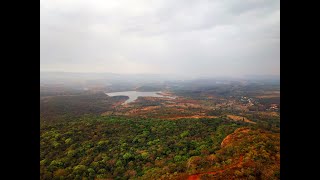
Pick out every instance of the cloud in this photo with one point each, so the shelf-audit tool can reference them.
(200, 37)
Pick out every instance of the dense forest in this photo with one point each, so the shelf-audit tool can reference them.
(95, 147)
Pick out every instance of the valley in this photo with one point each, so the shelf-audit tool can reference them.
(207, 132)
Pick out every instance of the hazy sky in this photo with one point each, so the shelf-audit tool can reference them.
(196, 37)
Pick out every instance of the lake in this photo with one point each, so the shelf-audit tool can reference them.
(133, 95)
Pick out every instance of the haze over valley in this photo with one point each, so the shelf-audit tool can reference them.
(151, 89)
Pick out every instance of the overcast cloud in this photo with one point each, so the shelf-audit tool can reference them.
(196, 37)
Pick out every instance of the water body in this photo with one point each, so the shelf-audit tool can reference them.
(133, 95)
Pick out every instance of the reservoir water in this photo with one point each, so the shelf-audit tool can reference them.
(133, 95)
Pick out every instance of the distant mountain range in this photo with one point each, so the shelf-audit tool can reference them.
(67, 77)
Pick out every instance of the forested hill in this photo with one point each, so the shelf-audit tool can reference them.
(95, 147)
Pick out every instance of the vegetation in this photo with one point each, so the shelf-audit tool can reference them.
(111, 147)
(222, 132)
(76, 105)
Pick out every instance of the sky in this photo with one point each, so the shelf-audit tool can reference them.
(194, 37)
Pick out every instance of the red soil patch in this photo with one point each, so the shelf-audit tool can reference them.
(197, 176)
(193, 116)
(149, 108)
(240, 118)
